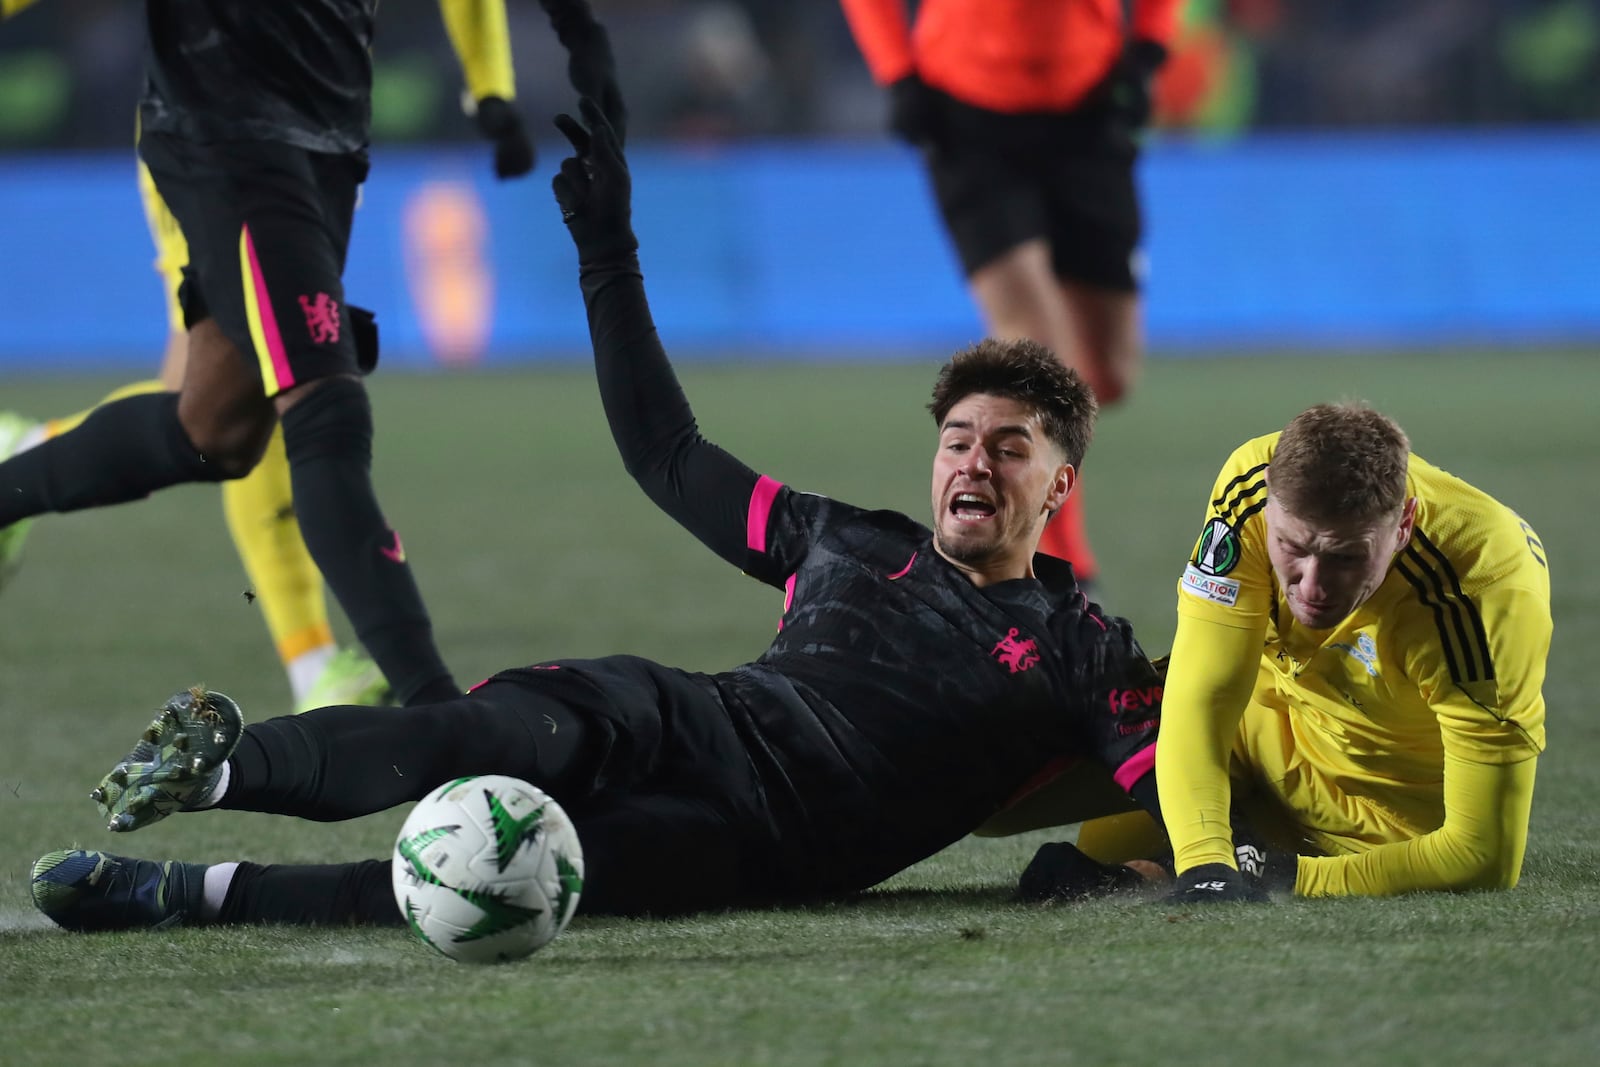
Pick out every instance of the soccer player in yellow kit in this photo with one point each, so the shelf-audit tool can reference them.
(1357, 673)
(259, 508)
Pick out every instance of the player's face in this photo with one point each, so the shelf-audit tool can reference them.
(996, 478)
(1328, 569)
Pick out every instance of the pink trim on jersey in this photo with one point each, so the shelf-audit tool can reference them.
(755, 522)
(788, 597)
(1098, 621)
(269, 321)
(903, 571)
(1138, 765)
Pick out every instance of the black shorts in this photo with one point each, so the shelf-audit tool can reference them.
(675, 817)
(268, 226)
(1002, 179)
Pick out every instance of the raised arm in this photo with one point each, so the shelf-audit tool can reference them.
(710, 493)
(591, 67)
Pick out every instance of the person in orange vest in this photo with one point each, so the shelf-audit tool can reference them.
(1029, 114)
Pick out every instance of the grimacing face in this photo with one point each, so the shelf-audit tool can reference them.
(1328, 569)
(996, 478)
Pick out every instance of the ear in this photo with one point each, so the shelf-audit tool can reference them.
(1061, 486)
(1408, 522)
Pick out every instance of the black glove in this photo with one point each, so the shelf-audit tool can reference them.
(591, 67)
(594, 189)
(1061, 872)
(1270, 870)
(914, 111)
(501, 122)
(1126, 91)
(1212, 882)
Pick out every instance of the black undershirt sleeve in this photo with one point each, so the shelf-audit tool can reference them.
(704, 488)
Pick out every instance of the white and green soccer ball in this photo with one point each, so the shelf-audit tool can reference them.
(487, 869)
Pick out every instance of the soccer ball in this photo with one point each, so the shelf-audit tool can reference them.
(487, 869)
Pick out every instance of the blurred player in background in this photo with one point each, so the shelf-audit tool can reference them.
(829, 763)
(1029, 114)
(1354, 703)
(257, 120)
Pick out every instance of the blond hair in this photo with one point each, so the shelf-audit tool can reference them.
(1339, 462)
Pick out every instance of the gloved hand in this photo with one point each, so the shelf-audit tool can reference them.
(1126, 91)
(1271, 870)
(591, 67)
(914, 113)
(1059, 871)
(501, 122)
(594, 188)
(1212, 882)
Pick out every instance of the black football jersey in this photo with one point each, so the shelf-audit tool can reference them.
(899, 705)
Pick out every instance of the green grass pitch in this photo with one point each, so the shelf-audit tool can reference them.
(529, 542)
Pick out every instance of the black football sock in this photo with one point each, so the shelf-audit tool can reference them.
(328, 438)
(122, 451)
(324, 894)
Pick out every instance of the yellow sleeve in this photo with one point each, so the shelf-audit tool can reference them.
(1498, 718)
(1224, 604)
(482, 41)
(1489, 702)
(1209, 681)
(11, 7)
(1480, 845)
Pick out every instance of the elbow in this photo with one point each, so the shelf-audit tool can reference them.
(1495, 876)
(1487, 871)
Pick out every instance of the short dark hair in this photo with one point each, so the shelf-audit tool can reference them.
(1340, 461)
(1028, 372)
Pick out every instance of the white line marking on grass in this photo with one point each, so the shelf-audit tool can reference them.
(24, 920)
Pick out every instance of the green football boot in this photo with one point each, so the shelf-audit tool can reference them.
(349, 678)
(175, 763)
(13, 428)
(92, 891)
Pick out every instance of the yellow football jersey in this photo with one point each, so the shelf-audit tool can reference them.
(1446, 657)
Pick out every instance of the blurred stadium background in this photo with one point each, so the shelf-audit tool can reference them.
(1363, 198)
(1351, 175)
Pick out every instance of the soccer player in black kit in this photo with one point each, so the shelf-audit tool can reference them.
(919, 679)
(254, 124)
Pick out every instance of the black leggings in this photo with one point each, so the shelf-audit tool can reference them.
(643, 855)
(344, 762)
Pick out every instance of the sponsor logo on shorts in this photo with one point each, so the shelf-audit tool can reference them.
(1210, 587)
(322, 318)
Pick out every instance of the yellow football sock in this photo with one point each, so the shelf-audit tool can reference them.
(1132, 835)
(260, 512)
(57, 427)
